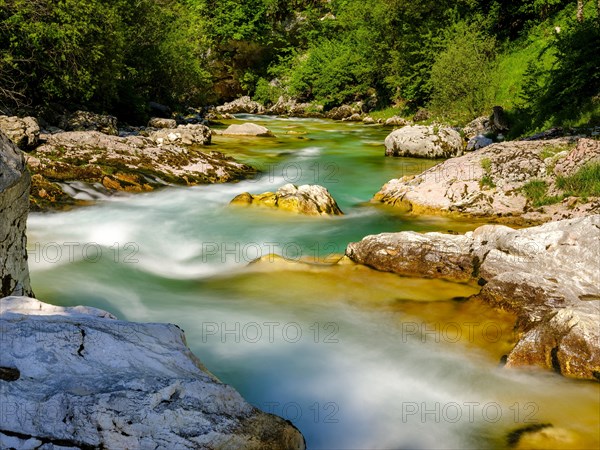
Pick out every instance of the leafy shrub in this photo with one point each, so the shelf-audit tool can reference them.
(462, 77)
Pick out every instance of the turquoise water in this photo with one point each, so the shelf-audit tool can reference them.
(355, 358)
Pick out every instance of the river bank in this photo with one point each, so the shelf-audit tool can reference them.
(338, 338)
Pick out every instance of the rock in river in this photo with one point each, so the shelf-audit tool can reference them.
(547, 275)
(247, 129)
(420, 141)
(79, 378)
(312, 200)
(132, 163)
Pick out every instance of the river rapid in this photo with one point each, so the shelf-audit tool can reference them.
(356, 359)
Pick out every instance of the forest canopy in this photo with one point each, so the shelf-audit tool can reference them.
(537, 57)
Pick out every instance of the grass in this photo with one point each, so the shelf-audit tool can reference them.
(486, 180)
(536, 192)
(553, 150)
(388, 112)
(585, 183)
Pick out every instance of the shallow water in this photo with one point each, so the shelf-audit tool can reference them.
(353, 357)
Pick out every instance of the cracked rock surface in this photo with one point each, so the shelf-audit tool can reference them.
(488, 183)
(548, 275)
(14, 192)
(79, 378)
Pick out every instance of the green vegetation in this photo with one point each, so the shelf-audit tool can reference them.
(486, 180)
(456, 58)
(583, 184)
(536, 192)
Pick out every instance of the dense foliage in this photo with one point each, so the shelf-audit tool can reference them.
(456, 58)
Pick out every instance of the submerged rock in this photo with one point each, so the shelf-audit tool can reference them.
(490, 182)
(547, 275)
(247, 129)
(24, 132)
(14, 192)
(312, 200)
(131, 164)
(424, 142)
(88, 380)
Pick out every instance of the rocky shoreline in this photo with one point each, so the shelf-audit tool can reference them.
(492, 183)
(80, 378)
(547, 275)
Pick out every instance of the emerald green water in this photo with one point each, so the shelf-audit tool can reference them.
(355, 358)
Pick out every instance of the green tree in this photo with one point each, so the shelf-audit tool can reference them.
(462, 76)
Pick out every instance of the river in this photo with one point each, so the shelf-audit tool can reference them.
(356, 359)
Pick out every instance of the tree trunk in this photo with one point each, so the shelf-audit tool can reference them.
(580, 10)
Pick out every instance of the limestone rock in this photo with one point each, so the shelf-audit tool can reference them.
(587, 151)
(292, 107)
(478, 142)
(489, 183)
(190, 134)
(24, 132)
(242, 105)
(547, 275)
(369, 120)
(396, 121)
(88, 121)
(312, 200)
(130, 164)
(83, 379)
(247, 129)
(342, 112)
(159, 122)
(479, 126)
(424, 142)
(14, 201)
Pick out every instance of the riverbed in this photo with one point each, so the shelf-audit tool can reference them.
(356, 359)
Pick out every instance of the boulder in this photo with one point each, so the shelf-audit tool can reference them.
(478, 142)
(88, 121)
(14, 201)
(79, 378)
(159, 122)
(190, 134)
(292, 107)
(489, 183)
(353, 118)
(369, 120)
(130, 164)
(242, 105)
(396, 121)
(424, 142)
(547, 275)
(479, 126)
(312, 200)
(421, 115)
(24, 132)
(341, 112)
(247, 129)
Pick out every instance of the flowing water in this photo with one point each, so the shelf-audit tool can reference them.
(356, 359)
